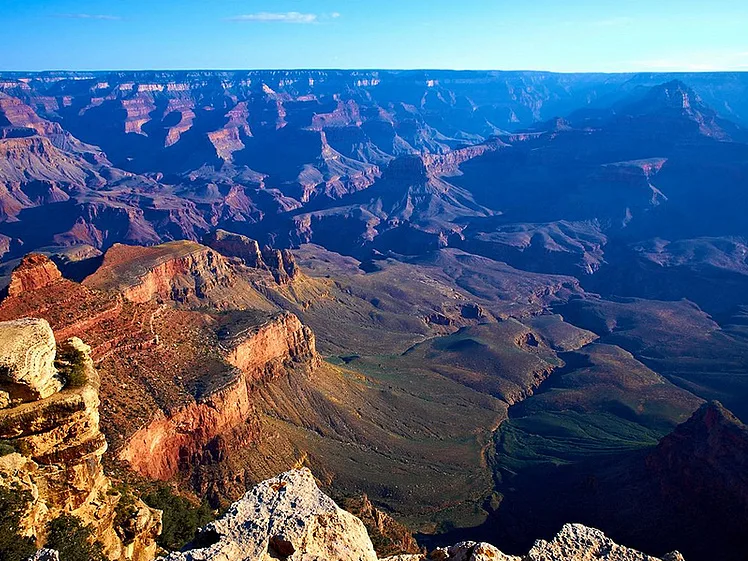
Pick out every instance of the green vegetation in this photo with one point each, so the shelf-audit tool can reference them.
(6, 447)
(124, 511)
(73, 540)
(181, 517)
(13, 547)
(71, 363)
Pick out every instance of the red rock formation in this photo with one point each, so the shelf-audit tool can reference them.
(280, 263)
(183, 272)
(35, 271)
(204, 431)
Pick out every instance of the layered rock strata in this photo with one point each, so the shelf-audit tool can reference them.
(27, 372)
(200, 432)
(58, 449)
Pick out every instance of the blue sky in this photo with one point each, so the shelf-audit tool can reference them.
(558, 35)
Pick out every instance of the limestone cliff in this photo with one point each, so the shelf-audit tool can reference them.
(58, 448)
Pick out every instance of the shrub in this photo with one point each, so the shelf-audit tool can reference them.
(71, 363)
(73, 540)
(13, 547)
(6, 447)
(181, 517)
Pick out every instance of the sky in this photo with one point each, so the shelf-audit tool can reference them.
(555, 35)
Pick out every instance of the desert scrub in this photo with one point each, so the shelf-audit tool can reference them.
(125, 511)
(181, 517)
(6, 447)
(13, 546)
(73, 540)
(71, 363)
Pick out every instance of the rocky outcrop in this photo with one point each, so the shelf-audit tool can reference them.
(27, 352)
(471, 551)
(287, 517)
(35, 271)
(576, 542)
(204, 430)
(280, 262)
(57, 460)
(387, 534)
(236, 245)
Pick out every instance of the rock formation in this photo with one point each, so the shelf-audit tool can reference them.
(35, 271)
(203, 430)
(280, 263)
(27, 352)
(386, 533)
(58, 449)
(287, 517)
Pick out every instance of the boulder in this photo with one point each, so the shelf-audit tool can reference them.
(27, 354)
(287, 518)
(470, 551)
(576, 542)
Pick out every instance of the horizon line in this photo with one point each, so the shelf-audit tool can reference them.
(374, 69)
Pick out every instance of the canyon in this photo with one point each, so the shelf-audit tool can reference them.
(480, 307)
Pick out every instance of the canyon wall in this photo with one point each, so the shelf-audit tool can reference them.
(202, 432)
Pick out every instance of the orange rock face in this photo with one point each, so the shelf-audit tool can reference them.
(204, 431)
(35, 271)
(178, 385)
(267, 348)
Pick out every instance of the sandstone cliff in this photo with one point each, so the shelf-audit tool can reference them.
(58, 448)
(280, 262)
(35, 271)
(27, 350)
(224, 416)
(182, 272)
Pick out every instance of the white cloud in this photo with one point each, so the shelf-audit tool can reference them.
(90, 16)
(277, 17)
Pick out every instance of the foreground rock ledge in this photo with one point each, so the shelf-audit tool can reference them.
(289, 518)
(284, 518)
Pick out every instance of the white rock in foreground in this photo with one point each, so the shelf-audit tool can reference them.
(470, 551)
(576, 542)
(286, 518)
(27, 354)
